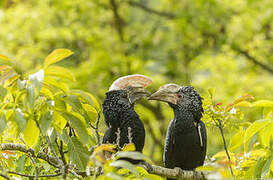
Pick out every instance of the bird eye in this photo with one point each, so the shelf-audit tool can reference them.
(179, 96)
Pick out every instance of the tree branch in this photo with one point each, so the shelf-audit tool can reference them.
(150, 10)
(174, 173)
(4, 176)
(41, 155)
(96, 128)
(119, 22)
(32, 176)
(254, 60)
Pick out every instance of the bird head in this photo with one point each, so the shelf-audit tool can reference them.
(179, 96)
(131, 87)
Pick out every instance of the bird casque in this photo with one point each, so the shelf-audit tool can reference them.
(186, 138)
(124, 124)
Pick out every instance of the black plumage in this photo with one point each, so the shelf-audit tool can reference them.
(121, 118)
(186, 139)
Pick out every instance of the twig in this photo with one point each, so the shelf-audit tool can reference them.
(32, 176)
(64, 170)
(174, 173)
(96, 128)
(4, 176)
(225, 146)
(153, 11)
(254, 60)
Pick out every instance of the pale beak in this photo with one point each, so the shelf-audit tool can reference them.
(137, 93)
(165, 96)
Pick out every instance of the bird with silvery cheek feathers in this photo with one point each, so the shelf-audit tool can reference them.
(186, 138)
(124, 124)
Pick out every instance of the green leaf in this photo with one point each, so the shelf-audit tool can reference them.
(91, 112)
(266, 135)
(3, 92)
(46, 120)
(211, 92)
(78, 125)
(78, 153)
(20, 119)
(59, 121)
(30, 97)
(2, 122)
(266, 168)
(61, 72)
(56, 56)
(132, 155)
(21, 163)
(52, 83)
(37, 79)
(263, 103)
(237, 140)
(258, 168)
(74, 101)
(89, 98)
(125, 165)
(252, 130)
(31, 133)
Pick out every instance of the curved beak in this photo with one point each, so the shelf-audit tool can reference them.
(137, 93)
(165, 96)
(166, 93)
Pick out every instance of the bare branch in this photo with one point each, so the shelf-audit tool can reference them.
(32, 176)
(254, 60)
(96, 128)
(150, 10)
(174, 173)
(4, 176)
(41, 155)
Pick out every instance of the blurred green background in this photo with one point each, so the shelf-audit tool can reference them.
(221, 44)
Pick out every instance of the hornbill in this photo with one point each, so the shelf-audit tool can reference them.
(186, 138)
(124, 124)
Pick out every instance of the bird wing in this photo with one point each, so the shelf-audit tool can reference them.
(169, 145)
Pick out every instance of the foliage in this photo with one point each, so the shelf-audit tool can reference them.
(221, 44)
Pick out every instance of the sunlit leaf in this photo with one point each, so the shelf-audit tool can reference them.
(31, 133)
(60, 72)
(46, 120)
(266, 135)
(266, 168)
(252, 130)
(21, 163)
(237, 140)
(211, 92)
(56, 56)
(59, 121)
(263, 103)
(20, 119)
(2, 122)
(244, 104)
(129, 147)
(132, 155)
(91, 112)
(125, 165)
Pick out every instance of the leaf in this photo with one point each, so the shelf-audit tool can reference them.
(74, 101)
(243, 104)
(258, 168)
(59, 121)
(263, 103)
(20, 119)
(237, 140)
(61, 72)
(52, 83)
(3, 92)
(2, 122)
(31, 133)
(37, 79)
(132, 155)
(95, 102)
(211, 92)
(266, 135)
(129, 147)
(56, 56)
(46, 120)
(266, 168)
(2, 57)
(91, 112)
(78, 125)
(125, 165)
(46, 92)
(78, 153)
(252, 130)
(31, 97)
(21, 163)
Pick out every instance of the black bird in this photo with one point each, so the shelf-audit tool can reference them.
(124, 124)
(186, 139)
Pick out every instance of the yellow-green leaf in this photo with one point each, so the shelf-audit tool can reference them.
(211, 92)
(91, 112)
(237, 140)
(263, 103)
(96, 103)
(266, 135)
(59, 121)
(244, 104)
(252, 130)
(31, 133)
(129, 147)
(61, 72)
(56, 56)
